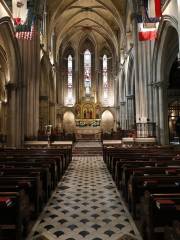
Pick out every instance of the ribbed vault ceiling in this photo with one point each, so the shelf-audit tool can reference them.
(96, 18)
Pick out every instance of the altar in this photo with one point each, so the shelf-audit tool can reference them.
(88, 133)
(88, 120)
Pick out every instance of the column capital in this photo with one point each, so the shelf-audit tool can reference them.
(122, 103)
(130, 96)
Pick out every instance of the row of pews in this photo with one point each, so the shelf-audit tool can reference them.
(27, 180)
(149, 181)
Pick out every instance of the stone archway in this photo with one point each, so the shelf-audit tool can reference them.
(165, 53)
(11, 71)
(3, 95)
(107, 121)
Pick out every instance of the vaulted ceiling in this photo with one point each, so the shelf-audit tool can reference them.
(97, 18)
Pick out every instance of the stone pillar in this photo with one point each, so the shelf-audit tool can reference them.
(118, 116)
(3, 110)
(30, 53)
(160, 116)
(130, 112)
(11, 115)
(155, 117)
(44, 111)
(150, 102)
(136, 65)
(123, 115)
(163, 114)
(52, 114)
(143, 77)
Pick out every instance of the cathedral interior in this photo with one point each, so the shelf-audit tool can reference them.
(89, 119)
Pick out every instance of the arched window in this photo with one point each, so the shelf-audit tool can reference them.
(69, 94)
(87, 72)
(105, 77)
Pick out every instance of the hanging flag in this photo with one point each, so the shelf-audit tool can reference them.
(25, 26)
(146, 32)
(24, 32)
(148, 20)
(19, 9)
(154, 8)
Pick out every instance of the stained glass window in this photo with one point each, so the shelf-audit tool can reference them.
(105, 77)
(87, 72)
(70, 65)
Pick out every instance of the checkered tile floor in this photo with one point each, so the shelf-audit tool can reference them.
(86, 206)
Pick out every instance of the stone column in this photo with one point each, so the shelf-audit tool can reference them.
(30, 53)
(11, 115)
(3, 106)
(163, 114)
(150, 103)
(155, 117)
(118, 116)
(143, 77)
(52, 114)
(123, 115)
(136, 65)
(130, 111)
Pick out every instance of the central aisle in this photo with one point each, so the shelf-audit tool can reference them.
(86, 206)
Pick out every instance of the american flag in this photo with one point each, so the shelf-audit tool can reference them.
(26, 35)
(24, 29)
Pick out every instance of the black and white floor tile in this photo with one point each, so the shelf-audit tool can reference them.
(86, 206)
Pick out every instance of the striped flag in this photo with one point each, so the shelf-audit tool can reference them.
(147, 33)
(23, 16)
(26, 35)
(148, 21)
(154, 8)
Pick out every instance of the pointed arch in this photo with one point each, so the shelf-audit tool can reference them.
(10, 50)
(87, 53)
(165, 52)
(67, 82)
(106, 63)
(87, 71)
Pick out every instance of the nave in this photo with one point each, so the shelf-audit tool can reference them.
(86, 205)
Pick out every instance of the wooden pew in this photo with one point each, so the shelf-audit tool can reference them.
(149, 169)
(138, 185)
(41, 169)
(35, 191)
(10, 216)
(160, 210)
(44, 177)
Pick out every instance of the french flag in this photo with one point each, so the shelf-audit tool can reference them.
(149, 20)
(146, 33)
(154, 8)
